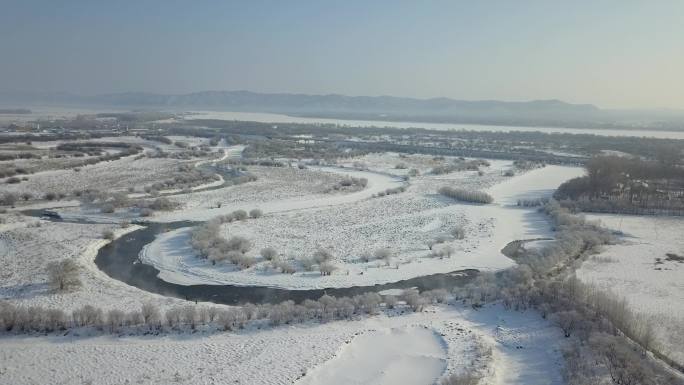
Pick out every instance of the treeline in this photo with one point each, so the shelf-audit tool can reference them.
(28, 319)
(15, 111)
(256, 162)
(187, 178)
(390, 191)
(348, 182)
(297, 148)
(10, 170)
(157, 138)
(628, 185)
(520, 140)
(464, 195)
(459, 164)
(96, 149)
(108, 202)
(136, 117)
(18, 155)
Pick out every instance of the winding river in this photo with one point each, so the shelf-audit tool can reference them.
(120, 259)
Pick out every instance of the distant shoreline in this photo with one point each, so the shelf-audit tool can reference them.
(14, 111)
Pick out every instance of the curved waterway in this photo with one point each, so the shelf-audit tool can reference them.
(119, 259)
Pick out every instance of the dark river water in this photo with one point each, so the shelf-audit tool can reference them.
(119, 259)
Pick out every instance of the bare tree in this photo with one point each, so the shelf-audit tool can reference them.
(385, 254)
(458, 232)
(240, 244)
(189, 315)
(448, 250)
(256, 213)
(268, 253)
(322, 255)
(568, 321)
(64, 275)
(9, 199)
(108, 234)
(390, 301)
(308, 263)
(88, 315)
(413, 299)
(326, 268)
(240, 215)
(151, 314)
(115, 319)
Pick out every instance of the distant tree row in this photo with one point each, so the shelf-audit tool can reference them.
(466, 195)
(622, 184)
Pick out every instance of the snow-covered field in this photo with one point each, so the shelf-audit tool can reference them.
(639, 269)
(26, 250)
(414, 348)
(410, 355)
(117, 175)
(299, 216)
(351, 225)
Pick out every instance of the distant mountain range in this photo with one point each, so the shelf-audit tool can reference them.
(531, 113)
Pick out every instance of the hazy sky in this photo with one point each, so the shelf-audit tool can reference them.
(611, 53)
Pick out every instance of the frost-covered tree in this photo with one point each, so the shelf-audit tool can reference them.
(108, 234)
(8, 199)
(414, 300)
(240, 244)
(151, 314)
(268, 253)
(368, 302)
(256, 213)
(390, 301)
(240, 215)
(322, 255)
(466, 195)
(88, 315)
(285, 267)
(384, 254)
(568, 321)
(231, 319)
(448, 250)
(64, 275)
(458, 232)
(189, 316)
(115, 319)
(327, 268)
(308, 264)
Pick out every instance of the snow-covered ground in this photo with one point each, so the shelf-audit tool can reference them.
(117, 175)
(350, 225)
(414, 348)
(409, 355)
(638, 269)
(26, 250)
(376, 183)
